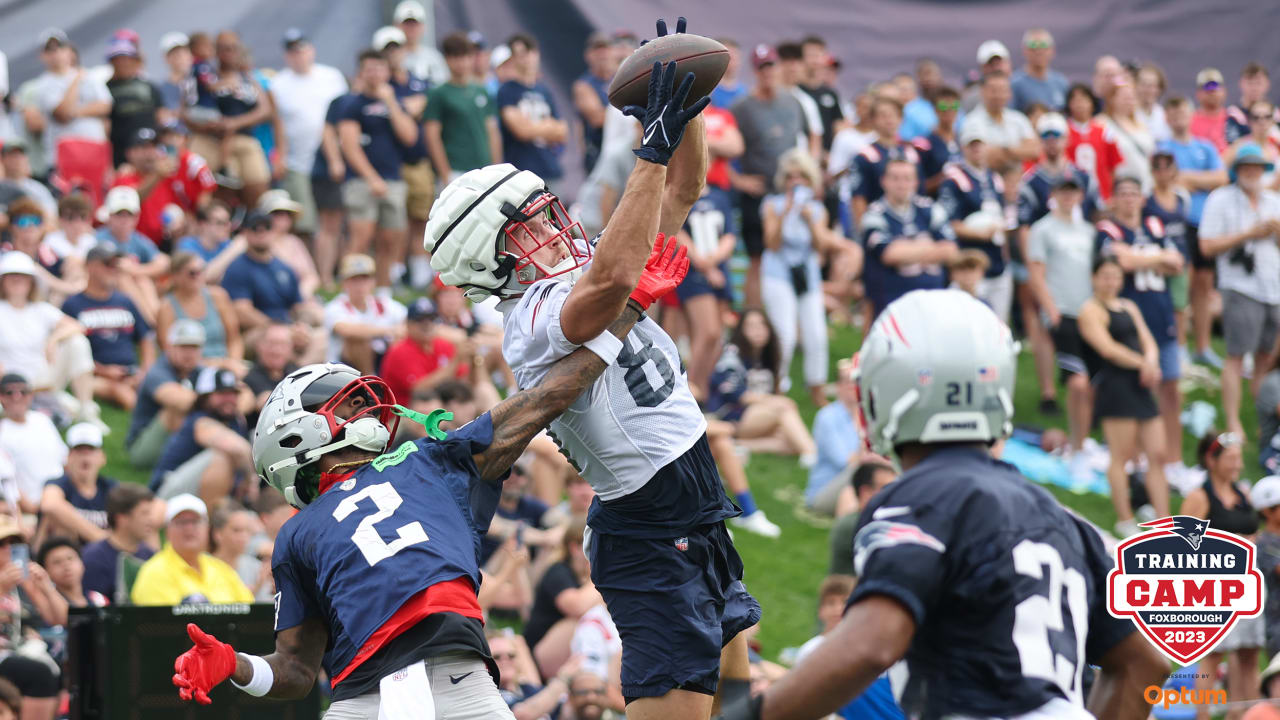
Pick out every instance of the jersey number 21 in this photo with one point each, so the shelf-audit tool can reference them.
(1038, 615)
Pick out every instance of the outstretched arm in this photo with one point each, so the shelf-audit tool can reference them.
(520, 417)
(288, 673)
(294, 663)
(686, 176)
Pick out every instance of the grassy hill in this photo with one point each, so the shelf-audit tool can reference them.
(784, 574)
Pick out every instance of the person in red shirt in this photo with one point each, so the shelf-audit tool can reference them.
(724, 141)
(423, 358)
(164, 175)
(1210, 119)
(1091, 145)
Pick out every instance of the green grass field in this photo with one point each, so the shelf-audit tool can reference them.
(784, 574)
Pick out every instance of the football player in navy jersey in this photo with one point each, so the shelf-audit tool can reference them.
(376, 577)
(907, 237)
(1033, 203)
(972, 194)
(869, 165)
(993, 593)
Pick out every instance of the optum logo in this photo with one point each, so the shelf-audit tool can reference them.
(1156, 695)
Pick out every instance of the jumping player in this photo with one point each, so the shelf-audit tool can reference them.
(660, 553)
(377, 575)
(993, 592)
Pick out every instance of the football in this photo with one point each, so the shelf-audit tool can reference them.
(702, 56)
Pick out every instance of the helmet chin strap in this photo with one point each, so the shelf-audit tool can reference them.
(564, 267)
(366, 433)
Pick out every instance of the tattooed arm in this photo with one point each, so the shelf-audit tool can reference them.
(295, 662)
(520, 417)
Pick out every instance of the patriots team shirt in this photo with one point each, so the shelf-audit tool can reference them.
(881, 225)
(1006, 588)
(1036, 187)
(408, 522)
(937, 152)
(966, 190)
(869, 164)
(1146, 288)
(1174, 219)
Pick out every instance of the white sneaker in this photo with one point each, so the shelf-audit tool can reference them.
(1247, 369)
(1080, 468)
(757, 523)
(1127, 528)
(93, 416)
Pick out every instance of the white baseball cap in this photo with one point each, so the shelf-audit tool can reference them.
(186, 502)
(122, 199)
(17, 263)
(499, 55)
(1265, 493)
(82, 434)
(409, 10)
(1051, 122)
(386, 35)
(971, 132)
(990, 49)
(174, 39)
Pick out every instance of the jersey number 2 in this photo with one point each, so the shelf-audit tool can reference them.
(366, 536)
(643, 391)
(1038, 615)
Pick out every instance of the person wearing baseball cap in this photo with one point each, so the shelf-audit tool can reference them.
(423, 358)
(973, 194)
(421, 57)
(183, 572)
(115, 327)
(210, 454)
(1210, 118)
(361, 326)
(166, 394)
(122, 210)
(75, 505)
(178, 83)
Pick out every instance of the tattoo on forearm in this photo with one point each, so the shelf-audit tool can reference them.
(520, 417)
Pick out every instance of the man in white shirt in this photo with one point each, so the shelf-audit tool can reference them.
(302, 92)
(360, 325)
(1008, 133)
(1240, 227)
(73, 102)
(421, 56)
(31, 439)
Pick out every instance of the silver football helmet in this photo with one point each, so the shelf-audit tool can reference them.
(298, 425)
(937, 366)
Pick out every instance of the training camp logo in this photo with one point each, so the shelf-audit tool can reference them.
(1184, 585)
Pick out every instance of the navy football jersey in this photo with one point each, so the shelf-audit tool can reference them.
(1037, 184)
(1174, 220)
(966, 190)
(868, 167)
(937, 153)
(882, 225)
(1007, 589)
(1146, 288)
(411, 519)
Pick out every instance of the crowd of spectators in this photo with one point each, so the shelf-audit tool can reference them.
(174, 246)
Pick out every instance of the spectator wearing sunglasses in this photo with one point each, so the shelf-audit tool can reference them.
(74, 237)
(17, 178)
(30, 438)
(1036, 81)
(212, 241)
(27, 229)
(943, 142)
(1255, 85)
(1261, 131)
(209, 305)
(1210, 119)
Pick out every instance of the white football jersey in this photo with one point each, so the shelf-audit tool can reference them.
(637, 417)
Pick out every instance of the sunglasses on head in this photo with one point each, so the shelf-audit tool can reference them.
(1039, 44)
(1051, 134)
(23, 221)
(946, 105)
(1222, 442)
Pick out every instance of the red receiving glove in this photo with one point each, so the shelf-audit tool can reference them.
(200, 669)
(666, 267)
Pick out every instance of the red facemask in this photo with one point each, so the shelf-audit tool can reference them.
(377, 396)
(522, 242)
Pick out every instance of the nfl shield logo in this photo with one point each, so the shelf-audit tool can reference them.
(682, 544)
(924, 376)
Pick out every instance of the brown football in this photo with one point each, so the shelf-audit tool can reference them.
(702, 56)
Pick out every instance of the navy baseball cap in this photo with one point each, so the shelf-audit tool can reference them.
(422, 309)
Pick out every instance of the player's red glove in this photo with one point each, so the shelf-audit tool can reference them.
(666, 267)
(200, 669)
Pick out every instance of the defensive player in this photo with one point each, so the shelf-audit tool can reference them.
(994, 593)
(378, 572)
(660, 554)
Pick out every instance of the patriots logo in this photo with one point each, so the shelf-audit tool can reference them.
(887, 533)
(1191, 529)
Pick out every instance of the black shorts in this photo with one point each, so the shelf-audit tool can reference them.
(1068, 346)
(327, 193)
(1118, 394)
(1198, 259)
(752, 225)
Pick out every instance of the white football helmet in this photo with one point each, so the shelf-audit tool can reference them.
(937, 366)
(297, 425)
(480, 238)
